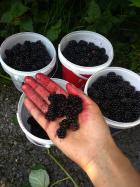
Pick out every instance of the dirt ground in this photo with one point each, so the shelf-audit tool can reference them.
(18, 155)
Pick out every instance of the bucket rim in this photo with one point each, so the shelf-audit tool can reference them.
(84, 68)
(112, 123)
(17, 72)
(27, 133)
(20, 122)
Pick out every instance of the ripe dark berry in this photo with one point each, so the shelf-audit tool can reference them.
(105, 58)
(137, 95)
(74, 105)
(74, 126)
(51, 114)
(73, 43)
(102, 50)
(61, 132)
(65, 123)
(62, 106)
(91, 45)
(111, 75)
(82, 43)
(29, 56)
(84, 53)
(55, 98)
(117, 98)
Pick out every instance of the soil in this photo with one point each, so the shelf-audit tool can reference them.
(18, 155)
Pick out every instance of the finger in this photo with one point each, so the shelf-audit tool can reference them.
(75, 91)
(50, 85)
(36, 113)
(30, 81)
(49, 127)
(37, 87)
(35, 97)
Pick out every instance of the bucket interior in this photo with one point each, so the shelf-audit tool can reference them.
(21, 38)
(96, 38)
(127, 75)
(24, 116)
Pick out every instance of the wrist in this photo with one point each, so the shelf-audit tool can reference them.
(111, 168)
(96, 166)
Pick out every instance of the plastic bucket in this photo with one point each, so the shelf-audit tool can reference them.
(18, 76)
(78, 75)
(23, 114)
(127, 75)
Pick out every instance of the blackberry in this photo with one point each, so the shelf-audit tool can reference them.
(111, 75)
(84, 54)
(55, 98)
(105, 58)
(116, 98)
(74, 105)
(121, 93)
(130, 90)
(72, 43)
(59, 101)
(74, 126)
(91, 45)
(89, 55)
(51, 114)
(119, 78)
(61, 132)
(137, 95)
(61, 106)
(115, 104)
(116, 116)
(126, 83)
(84, 61)
(36, 129)
(82, 43)
(29, 56)
(65, 123)
(102, 50)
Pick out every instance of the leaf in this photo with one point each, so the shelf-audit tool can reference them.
(3, 33)
(38, 166)
(135, 3)
(17, 9)
(93, 11)
(26, 25)
(54, 31)
(106, 22)
(42, 17)
(39, 178)
(6, 17)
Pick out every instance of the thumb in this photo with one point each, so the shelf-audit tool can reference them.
(71, 89)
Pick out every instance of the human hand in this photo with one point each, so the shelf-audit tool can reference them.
(82, 146)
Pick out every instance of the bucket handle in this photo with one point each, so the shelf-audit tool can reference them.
(79, 75)
(56, 68)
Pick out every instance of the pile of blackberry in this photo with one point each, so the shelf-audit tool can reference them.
(117, 99)
(29, 56)
(86, 54)
(36, 129)
(68, 107)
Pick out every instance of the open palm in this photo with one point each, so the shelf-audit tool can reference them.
(81, 145)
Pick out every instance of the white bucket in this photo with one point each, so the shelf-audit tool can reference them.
(76, 74)
(18, 76)
(23, 114)
(127, 75)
